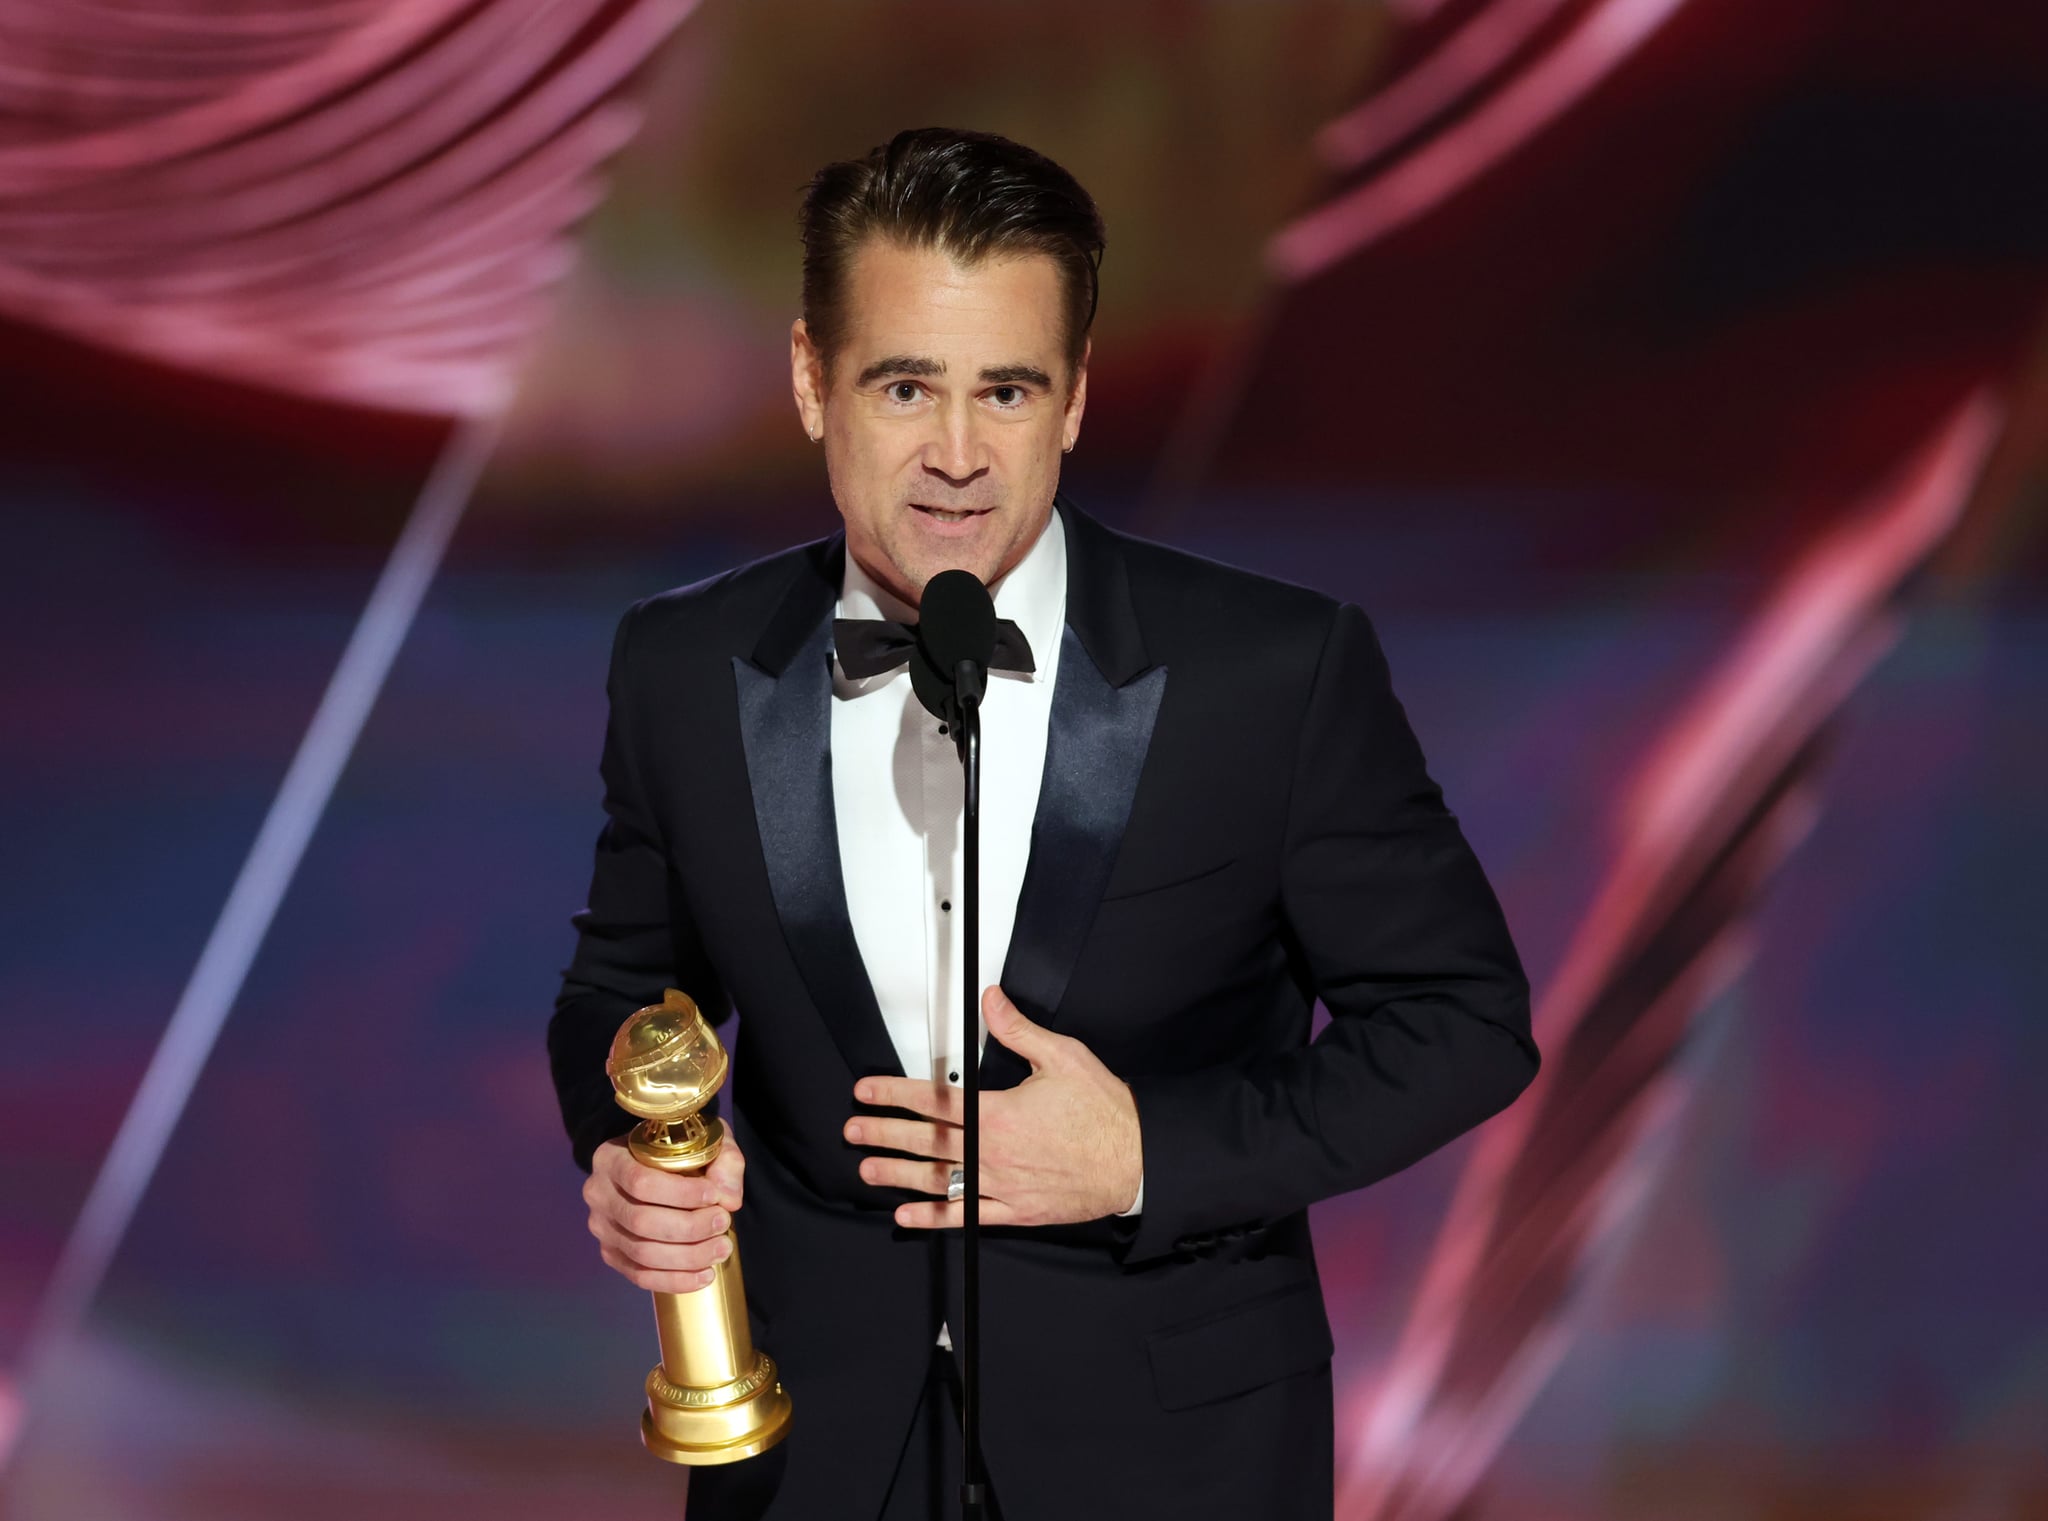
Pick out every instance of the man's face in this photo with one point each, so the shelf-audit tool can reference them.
(947, 410)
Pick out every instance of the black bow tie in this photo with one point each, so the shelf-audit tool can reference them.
(870, 646)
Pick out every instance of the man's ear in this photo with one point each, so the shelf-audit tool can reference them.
(1077, 392)
(807, 379)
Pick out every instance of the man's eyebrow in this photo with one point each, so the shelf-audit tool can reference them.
(922, 364)
(901, 364)
(1013, 374)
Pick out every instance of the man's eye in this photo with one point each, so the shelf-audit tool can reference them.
(1008, 396)
(903, 390)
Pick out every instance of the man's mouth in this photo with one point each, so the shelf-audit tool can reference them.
(949, 514)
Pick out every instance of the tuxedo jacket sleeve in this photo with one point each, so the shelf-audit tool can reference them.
(634, 936)
(1390, 920)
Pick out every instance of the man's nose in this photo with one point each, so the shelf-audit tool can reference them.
(956, 452)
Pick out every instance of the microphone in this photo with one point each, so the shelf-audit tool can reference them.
(956, 635)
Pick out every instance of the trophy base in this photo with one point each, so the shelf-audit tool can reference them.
(702, 1427)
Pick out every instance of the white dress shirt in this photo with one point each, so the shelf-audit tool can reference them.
(898, 799)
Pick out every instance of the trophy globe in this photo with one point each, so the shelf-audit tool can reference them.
(665, 1066)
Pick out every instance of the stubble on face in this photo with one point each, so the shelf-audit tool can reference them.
(946, 412)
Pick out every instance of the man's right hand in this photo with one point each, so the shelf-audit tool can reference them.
(663, 1230)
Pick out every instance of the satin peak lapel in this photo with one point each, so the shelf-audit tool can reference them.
(786, 728)
(1096, 743)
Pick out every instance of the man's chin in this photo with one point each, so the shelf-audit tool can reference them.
(980, 569)
(922, 560)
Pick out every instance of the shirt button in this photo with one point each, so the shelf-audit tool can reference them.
(952, 1077)
(946, 904)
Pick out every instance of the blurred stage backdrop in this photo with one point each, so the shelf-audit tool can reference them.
(1667, 378)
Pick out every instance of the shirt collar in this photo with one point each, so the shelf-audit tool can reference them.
(1032, 594)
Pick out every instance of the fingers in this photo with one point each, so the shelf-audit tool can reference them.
(1008, 1024)
(613, 1164)
(921, 1138)
(727, 1173)
(655, 1246)
(901, 1172)
(935, 1101)
(687, 1244)
(657, 1222)
(661, 1231)
(657, 1281)
(937, 1214)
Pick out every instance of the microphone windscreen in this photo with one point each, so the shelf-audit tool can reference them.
(956, 620)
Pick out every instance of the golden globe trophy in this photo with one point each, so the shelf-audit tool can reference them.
(712, 1398)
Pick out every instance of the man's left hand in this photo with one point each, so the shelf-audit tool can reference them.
(1062, 1146)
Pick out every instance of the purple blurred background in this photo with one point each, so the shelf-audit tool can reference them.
(1570, 338)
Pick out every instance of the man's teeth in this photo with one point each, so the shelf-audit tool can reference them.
(947, 517)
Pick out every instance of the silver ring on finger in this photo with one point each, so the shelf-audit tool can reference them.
(956, 1185)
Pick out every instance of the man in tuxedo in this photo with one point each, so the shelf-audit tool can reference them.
(1203, 810)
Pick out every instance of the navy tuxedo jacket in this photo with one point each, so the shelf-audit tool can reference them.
(1235, 822)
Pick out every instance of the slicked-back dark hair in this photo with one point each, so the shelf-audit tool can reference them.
(972, 195)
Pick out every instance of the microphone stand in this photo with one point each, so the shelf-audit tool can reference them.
(970, 681)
